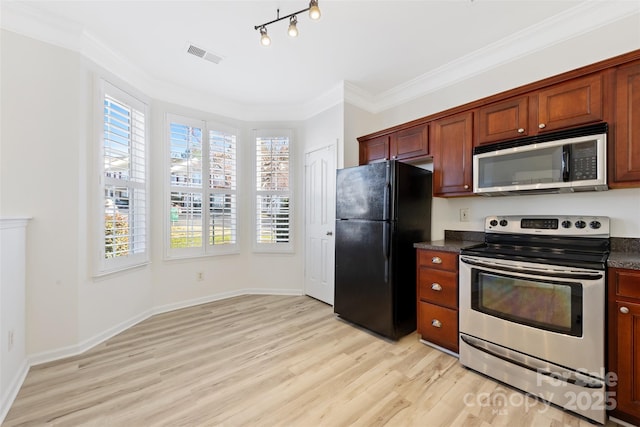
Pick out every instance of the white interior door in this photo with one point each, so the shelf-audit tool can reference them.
(320, 215)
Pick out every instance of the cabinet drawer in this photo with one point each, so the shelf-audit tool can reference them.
(439, 287)
(438, 325)
(627, 282)
(438, 259)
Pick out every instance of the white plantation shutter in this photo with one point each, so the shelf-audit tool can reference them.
(186, 193)
(202, 203)
(222, 185)
(124, 224)
(273, 191)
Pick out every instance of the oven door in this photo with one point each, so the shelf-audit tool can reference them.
(550, 312)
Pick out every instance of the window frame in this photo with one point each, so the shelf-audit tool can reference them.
(104, 265)
(277, 247)
(206, 249)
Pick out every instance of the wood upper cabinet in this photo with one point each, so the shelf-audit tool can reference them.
(503, 120)
(624, 342)
(564, 105)
(410, 143)
(625, 146)
(452, 150)
(404, 144)
(374, 149)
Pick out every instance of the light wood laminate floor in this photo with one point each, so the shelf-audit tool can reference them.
(267, 361)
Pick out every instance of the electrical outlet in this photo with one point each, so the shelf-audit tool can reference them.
(464, 215)
(10, 341)
(199, 276)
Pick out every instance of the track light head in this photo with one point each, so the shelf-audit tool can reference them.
(293, 29)
(314, 10)
(264, 37)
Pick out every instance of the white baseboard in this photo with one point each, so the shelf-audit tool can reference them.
(11, 393)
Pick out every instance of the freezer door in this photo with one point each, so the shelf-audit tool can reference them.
(363, 280)
(364, 192)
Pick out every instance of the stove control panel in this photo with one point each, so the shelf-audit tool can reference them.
(563, 225)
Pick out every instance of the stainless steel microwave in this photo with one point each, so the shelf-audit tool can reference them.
(565, 161)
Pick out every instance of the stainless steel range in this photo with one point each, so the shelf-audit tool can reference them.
(532, 308)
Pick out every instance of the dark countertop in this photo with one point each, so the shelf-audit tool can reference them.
(446, 245)
(453, 241)
(625, 253)
(630, 260)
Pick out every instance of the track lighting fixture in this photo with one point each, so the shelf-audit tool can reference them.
(314, 13)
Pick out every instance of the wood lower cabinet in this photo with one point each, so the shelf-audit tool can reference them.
(625, 147)
(624, 342)
(563, 105)
(452, 142)
(437, 295)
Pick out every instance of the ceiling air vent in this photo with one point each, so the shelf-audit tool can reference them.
(202, 53)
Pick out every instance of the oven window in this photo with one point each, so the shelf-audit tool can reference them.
(550, 305)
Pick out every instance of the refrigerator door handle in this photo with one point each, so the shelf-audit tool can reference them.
(385, 202)
(386, 249)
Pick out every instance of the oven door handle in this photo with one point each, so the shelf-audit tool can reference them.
(568, 274)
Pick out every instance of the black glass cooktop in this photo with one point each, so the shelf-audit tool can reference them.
(572, 252)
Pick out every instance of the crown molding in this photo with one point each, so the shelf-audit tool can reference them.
(581, 19)
(22, 18)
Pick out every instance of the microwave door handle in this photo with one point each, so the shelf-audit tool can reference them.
(566, 159)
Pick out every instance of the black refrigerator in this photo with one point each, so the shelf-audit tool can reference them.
(382, 209)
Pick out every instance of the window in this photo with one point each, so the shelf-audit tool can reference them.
(202, 201)
(273, 208)
(123, 183)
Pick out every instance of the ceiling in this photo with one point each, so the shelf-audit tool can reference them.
(377, 48)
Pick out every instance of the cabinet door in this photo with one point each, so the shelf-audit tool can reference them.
(628, 366)
(571, 103)
(626, 145)
(410, 143)
(375, 149)
(503, 120)
(452, 141)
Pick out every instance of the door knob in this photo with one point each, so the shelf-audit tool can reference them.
(624, 310)
(329, 233)
(542, 126)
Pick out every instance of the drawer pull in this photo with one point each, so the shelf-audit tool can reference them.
(624, 310)
(436, 260)
(436, 287)
(542, 126)
(521, 130)
(436, 323)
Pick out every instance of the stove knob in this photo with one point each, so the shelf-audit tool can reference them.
(493, 222)
(503, 222)
(566, 224)
(595, 224)
(581, 224)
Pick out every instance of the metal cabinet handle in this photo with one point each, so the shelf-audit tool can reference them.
(624, 310)
(436, 287)
(521, 130)
(436, 260)
(466, 186)
(542, 126)
(329, 233)
(436, 323)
